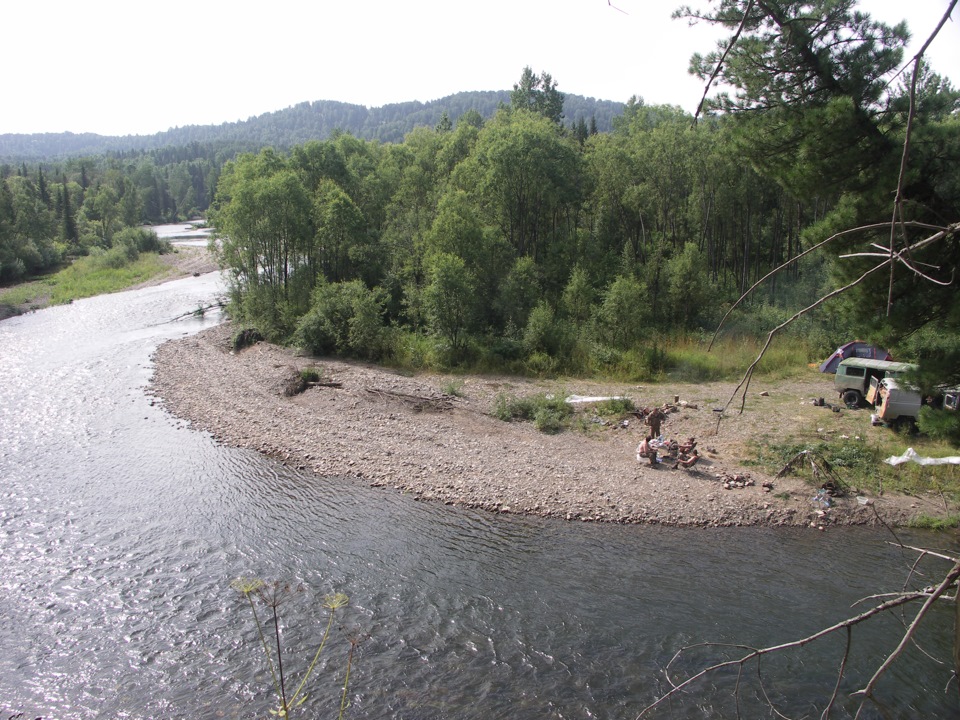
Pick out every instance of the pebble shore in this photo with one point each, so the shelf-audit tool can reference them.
(410, 434)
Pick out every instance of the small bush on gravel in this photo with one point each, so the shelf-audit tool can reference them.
(547, 412)
(454, 387)
(245, 338)
(614, 407)
(311, 374)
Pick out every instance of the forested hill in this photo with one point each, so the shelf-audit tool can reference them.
(298, 124)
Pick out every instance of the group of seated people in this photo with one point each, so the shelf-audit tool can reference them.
(680, 454)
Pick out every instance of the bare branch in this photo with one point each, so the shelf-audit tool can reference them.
(616, 8)
(843, 666)
(726, 51)
(814, 248)
(948, 580)
(932, 553)
(759, 652)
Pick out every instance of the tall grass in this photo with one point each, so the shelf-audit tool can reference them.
(688, 358)
(683, 358)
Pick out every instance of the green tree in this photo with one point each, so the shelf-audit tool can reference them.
(263, 219)
(624, 313)
(101, 207)
(131, 207)
(69, 231)
(449, 299)
(690, 296)
(444, 125)
(346, 319)
(809, 80)
(525, 175)
(340, 232)
(577, 300)
(538, 95)
(519, 293)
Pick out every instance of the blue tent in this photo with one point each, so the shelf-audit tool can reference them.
(855, 349)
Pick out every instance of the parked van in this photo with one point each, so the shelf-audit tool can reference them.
(951, 399)
(852, 380)
(896, 403)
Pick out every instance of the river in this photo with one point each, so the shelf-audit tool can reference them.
(121, 530)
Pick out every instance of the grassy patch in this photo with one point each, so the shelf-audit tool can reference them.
(939, 524)
(614, 407)
(549, 413)
(688, 358)
(90, 276)
(86, 277)
(860, 463)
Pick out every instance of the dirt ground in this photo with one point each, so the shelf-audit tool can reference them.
(410, 434)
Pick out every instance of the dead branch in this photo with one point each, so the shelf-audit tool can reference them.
(927, 551)
(808, 251)
(756, 653)
(201, 310)
(819, 467)
(930, 598)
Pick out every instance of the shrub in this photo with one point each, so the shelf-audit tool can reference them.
(548, 420)
(540, 335)
(454, 388)
(614, 407)
(345, 319)
(548, 412)
(311, 374)
(116, 257)
(940, 424)
(143, 239)
(245, 338)
(541, 364)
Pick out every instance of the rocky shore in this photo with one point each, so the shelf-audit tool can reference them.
(410, 434)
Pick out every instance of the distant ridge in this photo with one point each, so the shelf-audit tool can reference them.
(296, 125)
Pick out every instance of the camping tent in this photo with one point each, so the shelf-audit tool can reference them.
(855, 349)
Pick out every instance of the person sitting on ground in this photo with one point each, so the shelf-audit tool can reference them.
(687, 459)
(646, 450)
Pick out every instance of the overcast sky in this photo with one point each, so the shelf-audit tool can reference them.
(118, 67)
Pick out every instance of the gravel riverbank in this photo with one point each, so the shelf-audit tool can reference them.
(405, 434)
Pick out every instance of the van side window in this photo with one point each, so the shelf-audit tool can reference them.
(856, 372)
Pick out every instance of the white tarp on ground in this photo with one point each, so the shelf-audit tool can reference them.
(574, 399)
(911, 456)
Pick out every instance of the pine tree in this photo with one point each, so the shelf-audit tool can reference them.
(69, 222)
(538, 94)
(42, 189)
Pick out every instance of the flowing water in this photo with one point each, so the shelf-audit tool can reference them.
(121, 530)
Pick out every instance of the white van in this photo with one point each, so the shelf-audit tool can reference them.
(897, 403)
(852, 380)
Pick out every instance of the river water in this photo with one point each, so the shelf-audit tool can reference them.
(121, 530)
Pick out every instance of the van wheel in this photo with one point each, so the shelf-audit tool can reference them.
(852, 399)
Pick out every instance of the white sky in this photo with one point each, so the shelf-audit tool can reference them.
(118, 67)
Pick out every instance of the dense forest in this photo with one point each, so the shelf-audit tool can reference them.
(295, 125)
(527, 241)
